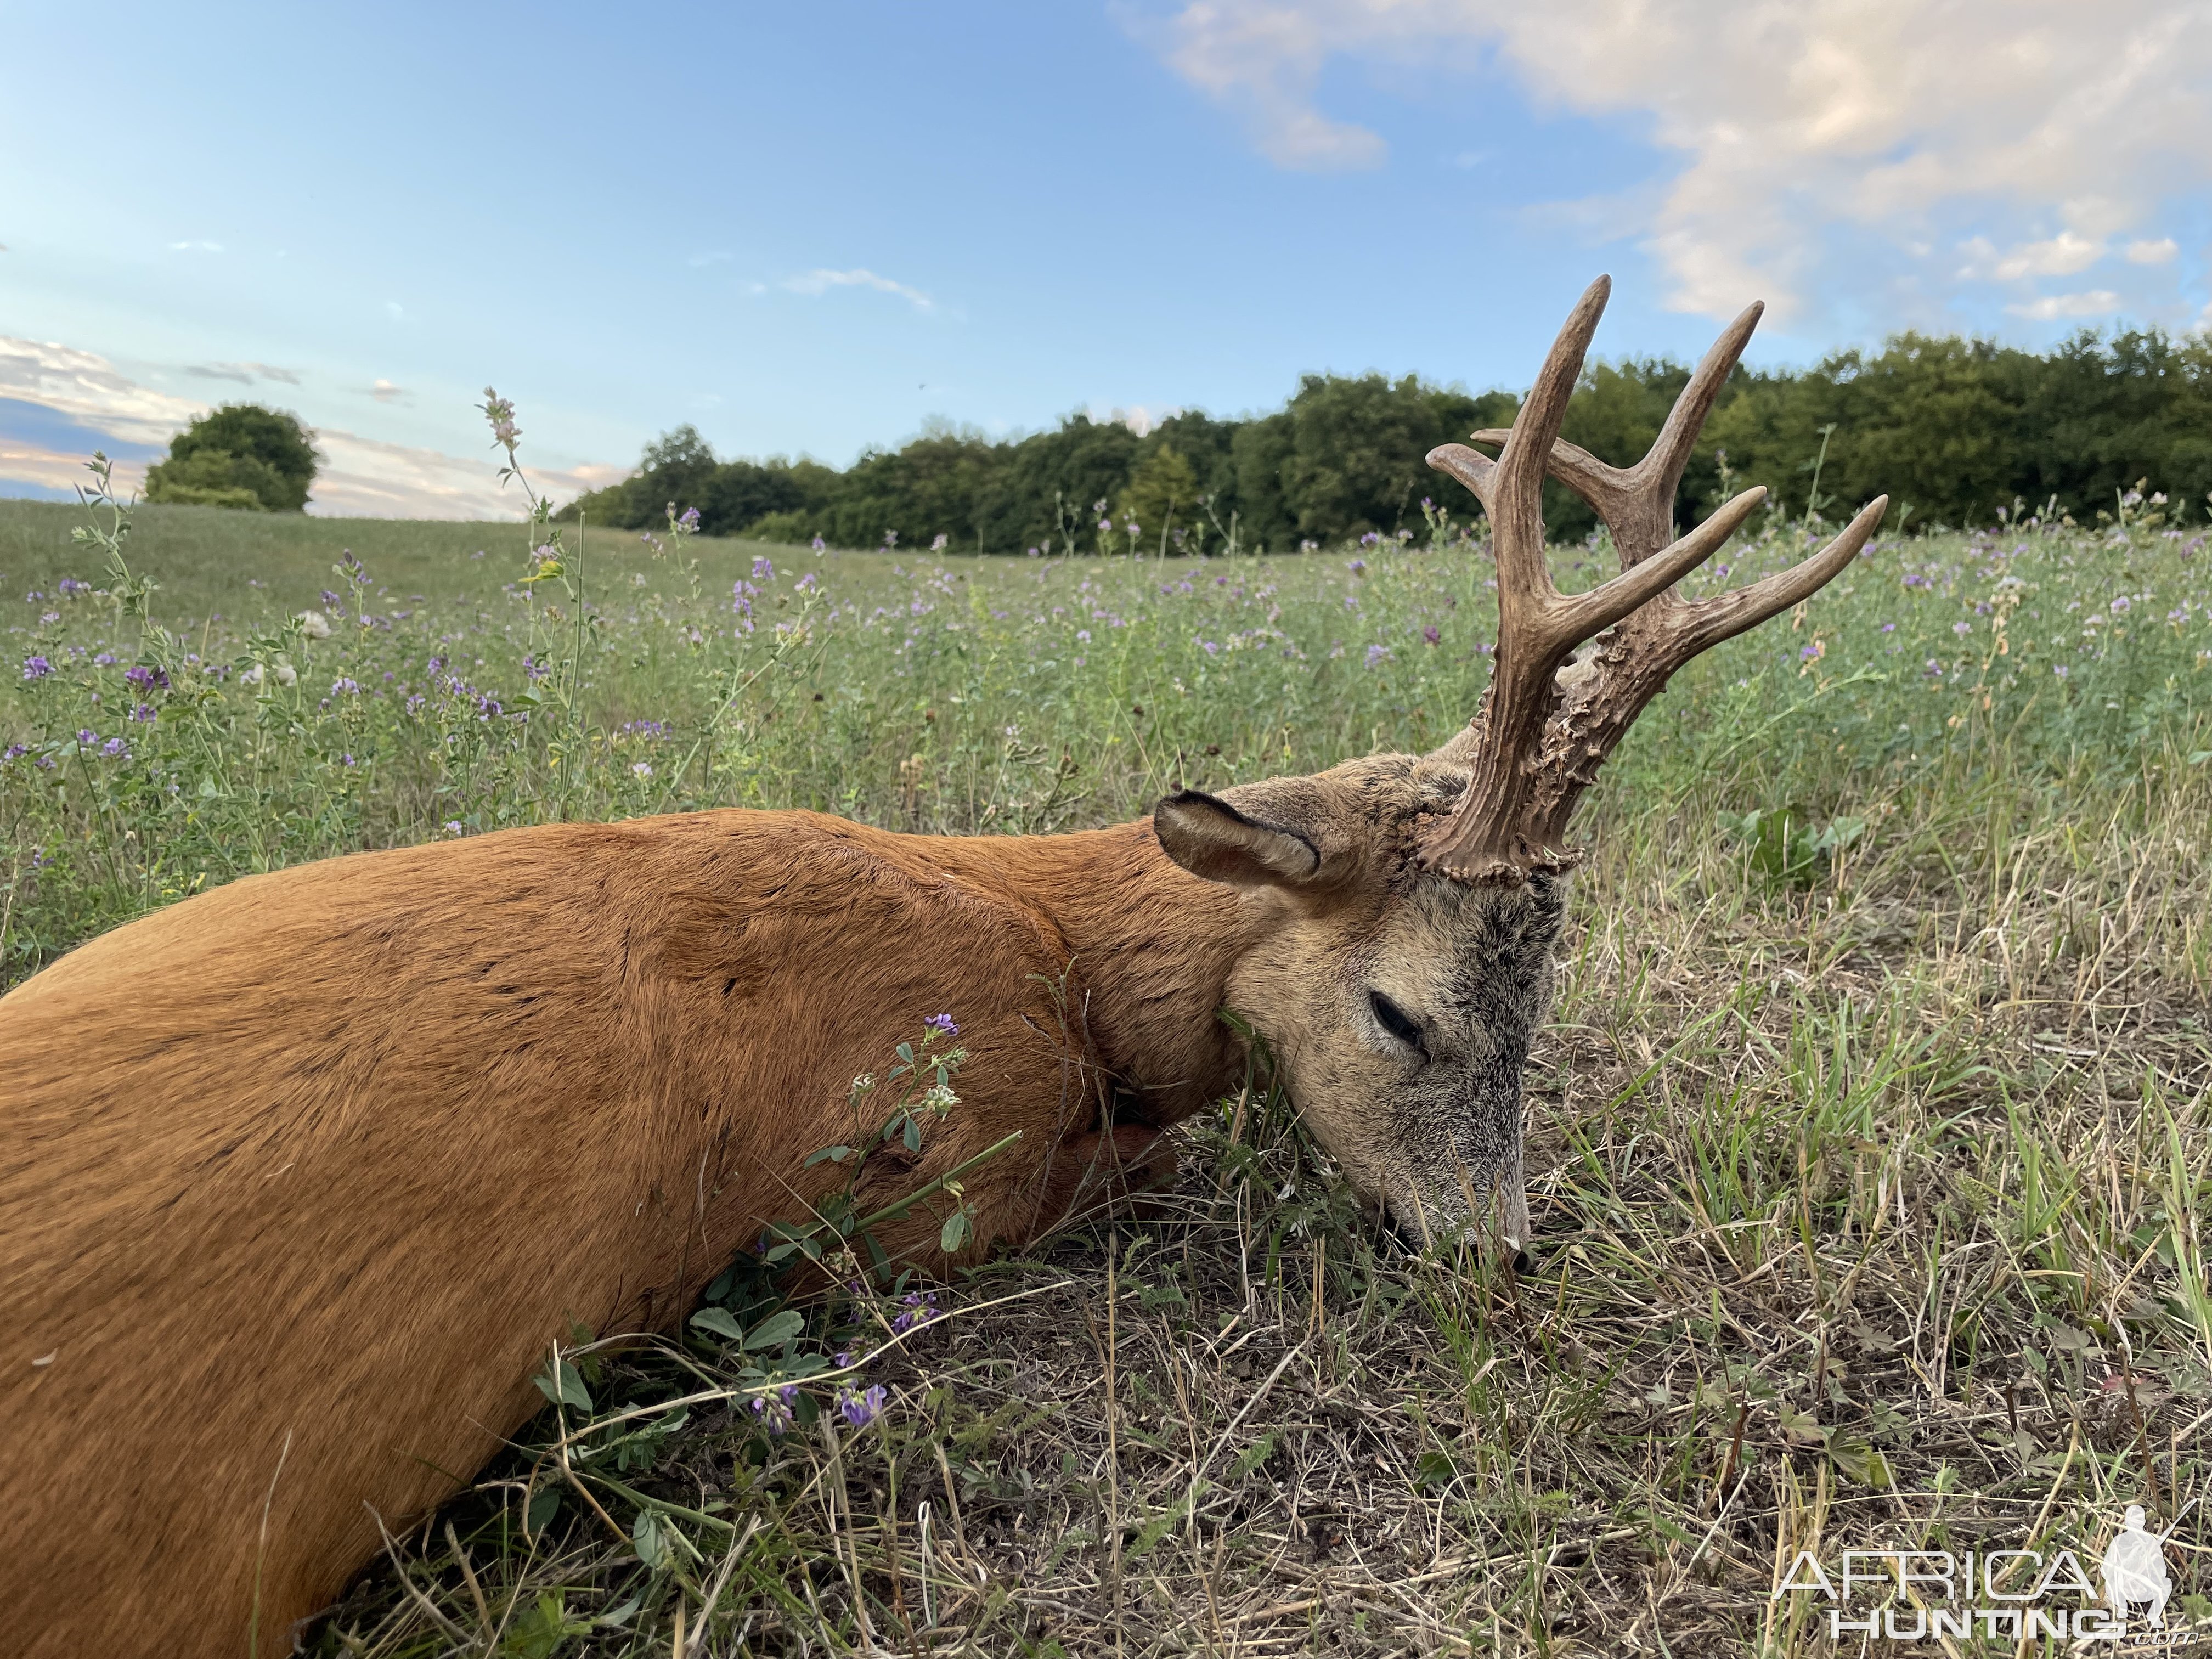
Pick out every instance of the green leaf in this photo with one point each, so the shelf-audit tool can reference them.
(544, 1505)
(1261, 1449)
(1859, 1460)
(1161, 1524)
(913, 1135)
(776, 1330)
(615, 1618)
(834, 1154)
(647, 1539)
(567, 1390)
(954, 1231)
(1434, 1469)
(717, 1321)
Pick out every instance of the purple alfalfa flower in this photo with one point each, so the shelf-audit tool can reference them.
(345, 686)
(87, 737)
(1889, 628)
(805, 584)
(938, 545)
(1431, 634)
(763, 569)
(13, 752)
(453, 827)
(917, 1308)
(500, 411)
(331, 601)
(142, 712)
(942, 1023)
(864, 1407)
(105, 659)
(51, 616)
(819, 545)
(1377, 653)
(36, 667)
(774, 1410)
(688, 520)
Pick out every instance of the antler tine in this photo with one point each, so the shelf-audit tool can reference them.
(1641, 655)
(1537, 740)
(1536, 625)
(1637, 502)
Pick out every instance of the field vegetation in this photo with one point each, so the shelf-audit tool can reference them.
(1869, 1141)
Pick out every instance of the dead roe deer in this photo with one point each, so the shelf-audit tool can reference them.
(300, 1178)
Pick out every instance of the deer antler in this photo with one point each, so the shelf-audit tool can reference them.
(1536, 741)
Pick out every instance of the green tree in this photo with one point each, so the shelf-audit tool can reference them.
(1161, 497)
(241, 455)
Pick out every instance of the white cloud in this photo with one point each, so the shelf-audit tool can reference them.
(364, 476)
(821, 282)
(2153, 253)
(244, 373)
(2097, 302)
(368, 478)
(385, 392)
(196, 247)
(2061, 255)
(1137, 417)
(1791, 117)
(394, 310)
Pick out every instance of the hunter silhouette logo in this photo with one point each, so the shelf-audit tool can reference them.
(1929, 1596)
(2135, 1569)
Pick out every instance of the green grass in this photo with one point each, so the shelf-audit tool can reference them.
(1869, 1140)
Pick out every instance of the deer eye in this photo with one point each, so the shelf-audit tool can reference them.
(1398, 1023)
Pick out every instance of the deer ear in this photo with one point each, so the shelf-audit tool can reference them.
(1215, 841)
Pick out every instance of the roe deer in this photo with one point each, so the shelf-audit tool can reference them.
(300, 1178)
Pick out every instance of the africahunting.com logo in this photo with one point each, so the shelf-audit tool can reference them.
(2018, 1595)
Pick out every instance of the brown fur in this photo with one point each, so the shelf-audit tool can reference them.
(301, 1177)
(327, 1158)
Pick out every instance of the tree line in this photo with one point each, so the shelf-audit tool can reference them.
(1952, 430)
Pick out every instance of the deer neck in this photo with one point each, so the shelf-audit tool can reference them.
(1151, 948)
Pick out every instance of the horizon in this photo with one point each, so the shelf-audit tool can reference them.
(1005, 218)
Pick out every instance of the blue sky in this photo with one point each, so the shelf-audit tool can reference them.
(813, 229)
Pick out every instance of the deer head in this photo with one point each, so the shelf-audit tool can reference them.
(1404, 910)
